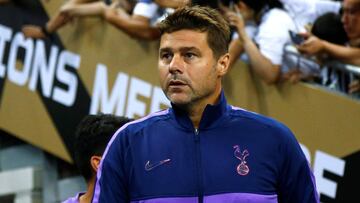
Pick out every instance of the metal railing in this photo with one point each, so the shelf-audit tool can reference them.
(346, 73)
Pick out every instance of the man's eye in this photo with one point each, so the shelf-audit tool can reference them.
(190, 55)
(166, 56)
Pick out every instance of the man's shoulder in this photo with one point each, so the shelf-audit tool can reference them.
(258, 120)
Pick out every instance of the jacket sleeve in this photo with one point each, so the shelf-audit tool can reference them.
(111, 182)
(297, 182)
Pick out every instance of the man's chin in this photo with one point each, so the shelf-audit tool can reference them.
(177, 100)
(180, 102)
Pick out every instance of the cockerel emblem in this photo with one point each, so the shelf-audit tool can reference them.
(242, 168)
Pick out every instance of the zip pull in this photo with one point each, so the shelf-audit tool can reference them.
(197, 137)
(196, 131)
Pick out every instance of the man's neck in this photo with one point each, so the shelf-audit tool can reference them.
(87, 197)
(195, 114)
(195, 110)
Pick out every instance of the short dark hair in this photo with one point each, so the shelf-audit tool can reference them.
(91, 138)
(203, 19)
(330, 28)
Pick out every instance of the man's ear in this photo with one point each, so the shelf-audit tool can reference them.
(95, 162)
(223, 64)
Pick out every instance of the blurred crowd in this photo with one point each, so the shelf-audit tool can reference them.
(281, 40)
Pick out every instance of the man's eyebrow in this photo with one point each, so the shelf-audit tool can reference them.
(182, 49)
(165, 49)
(185, 49)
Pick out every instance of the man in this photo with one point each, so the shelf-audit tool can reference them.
(92, 135)
(346, 54)
(201, 149)
(351, 22)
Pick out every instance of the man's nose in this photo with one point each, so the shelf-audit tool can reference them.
(176, 64)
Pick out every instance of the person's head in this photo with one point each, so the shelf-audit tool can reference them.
(193, 55)
(91, 138)
(330, 28)
(351, 18)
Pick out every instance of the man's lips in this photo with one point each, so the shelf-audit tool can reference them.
(176, 83)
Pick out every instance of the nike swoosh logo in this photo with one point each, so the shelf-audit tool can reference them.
(149, 166)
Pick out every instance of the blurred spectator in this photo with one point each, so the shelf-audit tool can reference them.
(136, 18)
(138, 23)
(327, 27)
(347, 54)
(91, 138)
(334, 33)
(141, 23)
(330, 28)
(172, 3)
(56, 22)
(266, 51)
(305, 12)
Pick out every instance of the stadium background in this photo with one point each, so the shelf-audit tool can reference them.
(48, 85)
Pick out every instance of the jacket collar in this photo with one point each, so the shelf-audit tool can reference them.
(211, 114)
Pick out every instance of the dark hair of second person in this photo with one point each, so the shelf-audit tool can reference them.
(330, 28)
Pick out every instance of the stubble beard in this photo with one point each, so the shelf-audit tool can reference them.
(194, 98)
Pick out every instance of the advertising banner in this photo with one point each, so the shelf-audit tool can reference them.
(48, 85)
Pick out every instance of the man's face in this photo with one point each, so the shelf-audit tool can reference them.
(188, 70)
(351, 18)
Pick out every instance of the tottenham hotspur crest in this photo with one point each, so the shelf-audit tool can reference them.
(242, 168)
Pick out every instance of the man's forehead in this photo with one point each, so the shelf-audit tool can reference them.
(183, 39)
(184, 35)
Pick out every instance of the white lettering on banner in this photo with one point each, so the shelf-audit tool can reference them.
(322, 162)
(66, 97)
(5, 36)
(42, 69)
(20, 77)
(39, 67)
(100, 96)
(103, 102)
(158, 99)
(136, 107)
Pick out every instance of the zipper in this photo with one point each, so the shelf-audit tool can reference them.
(198, 167)
(196, 134)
